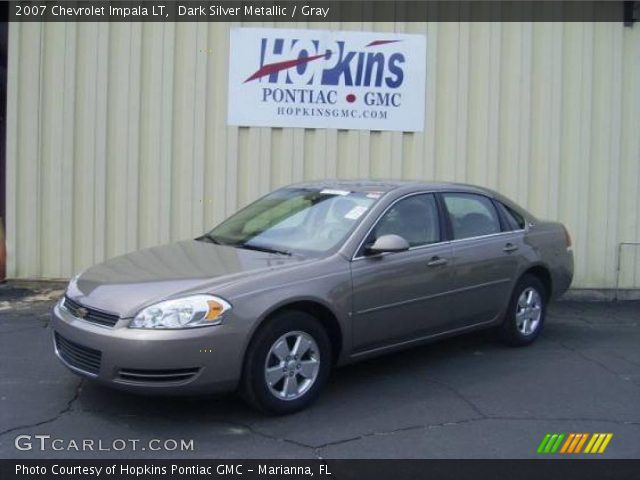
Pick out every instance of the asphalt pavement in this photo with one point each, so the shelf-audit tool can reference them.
(468, 397)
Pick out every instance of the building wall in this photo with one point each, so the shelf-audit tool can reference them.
(117, 137)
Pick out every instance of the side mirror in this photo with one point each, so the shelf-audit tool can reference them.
(389, 243)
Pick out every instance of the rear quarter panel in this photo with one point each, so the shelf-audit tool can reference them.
(548, 243)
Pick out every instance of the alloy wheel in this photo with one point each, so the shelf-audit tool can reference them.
(528, 311)
(292, 365)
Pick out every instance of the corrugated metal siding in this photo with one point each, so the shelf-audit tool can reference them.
(117, 137)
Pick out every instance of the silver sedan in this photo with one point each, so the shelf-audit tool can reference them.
(310, 277)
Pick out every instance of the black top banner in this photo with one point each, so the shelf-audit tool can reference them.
(324, 11)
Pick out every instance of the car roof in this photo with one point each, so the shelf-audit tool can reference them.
(409, 186)
(389, 185)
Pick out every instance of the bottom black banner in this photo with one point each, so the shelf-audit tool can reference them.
(565, 469)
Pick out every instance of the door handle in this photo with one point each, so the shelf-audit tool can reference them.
(436, 261)
(510, 247)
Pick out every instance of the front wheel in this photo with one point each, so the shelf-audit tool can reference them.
(287, 363)
(526, 313)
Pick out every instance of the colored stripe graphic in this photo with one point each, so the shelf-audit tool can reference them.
(557, 444)
(551, 443)
(270, 68)
(594, 437)
(375, 43)
(607, 439)
(543, 443)
(596, 446)
(581, 442)
(565, 447)
(598, 443)
(572, 443)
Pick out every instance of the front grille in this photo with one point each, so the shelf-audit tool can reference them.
(157, 376)
(92, 315)
(78, 356)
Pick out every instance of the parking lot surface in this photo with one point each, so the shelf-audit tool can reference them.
(468, 397)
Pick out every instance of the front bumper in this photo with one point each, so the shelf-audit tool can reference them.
(189, 361)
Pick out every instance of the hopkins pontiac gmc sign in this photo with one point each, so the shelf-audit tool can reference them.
(327, 79)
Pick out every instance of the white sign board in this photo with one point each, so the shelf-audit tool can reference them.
(327, 79)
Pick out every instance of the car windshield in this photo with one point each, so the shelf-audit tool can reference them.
(295, 220)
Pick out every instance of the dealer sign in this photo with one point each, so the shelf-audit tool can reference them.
(327, 79)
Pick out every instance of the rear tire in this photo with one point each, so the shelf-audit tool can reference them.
(287, 363)
(525, 314)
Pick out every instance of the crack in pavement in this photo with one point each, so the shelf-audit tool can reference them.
(395, 431)
(481, 416)
(462, 422)
(317, 448)
(622, 357)
(586, 357)
(459, 395)
(565, 419)
(234, 424)
(269, 436)
(62, 412)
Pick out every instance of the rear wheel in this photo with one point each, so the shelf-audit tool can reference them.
(287, 363)
(526, 313)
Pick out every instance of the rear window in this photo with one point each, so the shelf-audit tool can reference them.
(515, 221)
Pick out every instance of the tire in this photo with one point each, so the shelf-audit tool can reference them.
(529, 293)
(273, 347)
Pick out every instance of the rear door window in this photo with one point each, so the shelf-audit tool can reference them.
(515, 221)
(471, 215)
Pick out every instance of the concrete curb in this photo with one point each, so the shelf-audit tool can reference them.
(600, 295)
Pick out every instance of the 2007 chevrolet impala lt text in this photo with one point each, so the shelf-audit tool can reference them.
(309, 277)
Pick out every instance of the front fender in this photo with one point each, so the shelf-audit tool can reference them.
(330, 291)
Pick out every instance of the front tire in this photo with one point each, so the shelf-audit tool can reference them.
(526, 312)
(287, 364)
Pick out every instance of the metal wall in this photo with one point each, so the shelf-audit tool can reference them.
(117, 137)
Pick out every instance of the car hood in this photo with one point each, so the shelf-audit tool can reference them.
(125, 284)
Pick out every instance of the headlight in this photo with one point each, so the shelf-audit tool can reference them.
(187, 312)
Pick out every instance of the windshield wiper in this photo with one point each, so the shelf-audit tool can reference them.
(207, 237)
(260, 248)
(210, 238)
